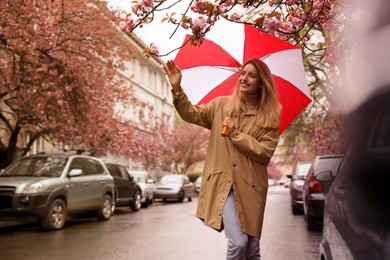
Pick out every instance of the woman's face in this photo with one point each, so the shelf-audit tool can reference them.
(249, 80)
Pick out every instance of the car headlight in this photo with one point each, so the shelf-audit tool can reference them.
(33, 188)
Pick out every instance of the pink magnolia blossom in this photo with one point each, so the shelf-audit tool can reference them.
(271, 25)
(199, 24)
(154, 49)
(147, 3)
(318, 4)
(198, 7)
(151, 51)
(235, 17)
(135, 8)
(295, 20)
(127, 25)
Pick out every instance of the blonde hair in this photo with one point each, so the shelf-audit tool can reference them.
(268, 108)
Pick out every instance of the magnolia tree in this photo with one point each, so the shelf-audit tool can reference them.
(154, 144)
(59, 63)
(189, 145)
(315, 134)
(273, 172)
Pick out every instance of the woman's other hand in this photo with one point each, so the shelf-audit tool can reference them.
(228, 121)
(174, 75)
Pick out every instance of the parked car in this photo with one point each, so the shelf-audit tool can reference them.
(127, 190)
(314, 192)
(357, 210)
(198, 184)
(147, 185)
(49, 188)
(296, 186)
(282, 181)
(271, 182)
(174, 186)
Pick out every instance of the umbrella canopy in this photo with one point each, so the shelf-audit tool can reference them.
(212, 69)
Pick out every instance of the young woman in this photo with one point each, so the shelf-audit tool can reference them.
(235, 181)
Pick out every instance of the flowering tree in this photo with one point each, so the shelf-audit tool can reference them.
(330, 135)
(316, 134)
(153, 143)
(273, 171)
(58, 76)
(189, 145)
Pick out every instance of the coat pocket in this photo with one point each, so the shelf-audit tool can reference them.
(212, 179)
(212, 172)
(255, 179)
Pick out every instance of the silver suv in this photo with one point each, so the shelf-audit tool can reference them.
(48, 188)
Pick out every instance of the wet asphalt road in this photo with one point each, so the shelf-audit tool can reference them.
(163, 231)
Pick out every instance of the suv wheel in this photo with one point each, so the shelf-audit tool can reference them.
(55, 217)
(151, 199)
(136, 203)
(105, 211)
(146, 203)
(113, 207)
(181, 196)
(295, 210)
(311, 223)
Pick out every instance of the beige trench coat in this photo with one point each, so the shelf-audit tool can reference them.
(239, 161)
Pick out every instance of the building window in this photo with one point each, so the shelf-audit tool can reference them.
(141, 115)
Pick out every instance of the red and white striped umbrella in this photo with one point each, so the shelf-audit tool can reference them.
(212, 69)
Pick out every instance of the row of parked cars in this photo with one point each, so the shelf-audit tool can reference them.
(310, 185)
(347, 196)
(50, 187)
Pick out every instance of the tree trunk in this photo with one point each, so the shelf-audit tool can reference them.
(7, 156)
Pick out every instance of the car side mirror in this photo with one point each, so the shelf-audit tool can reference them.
(326, 179)
(324, 176)
(75, 172)
(289, 176)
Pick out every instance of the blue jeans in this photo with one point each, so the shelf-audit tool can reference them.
(240, 245)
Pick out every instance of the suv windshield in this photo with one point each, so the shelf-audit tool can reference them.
(303, 169)
(50, 166)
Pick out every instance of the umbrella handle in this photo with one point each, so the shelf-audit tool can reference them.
(225, 130)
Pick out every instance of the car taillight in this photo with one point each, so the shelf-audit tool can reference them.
(314, 185)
